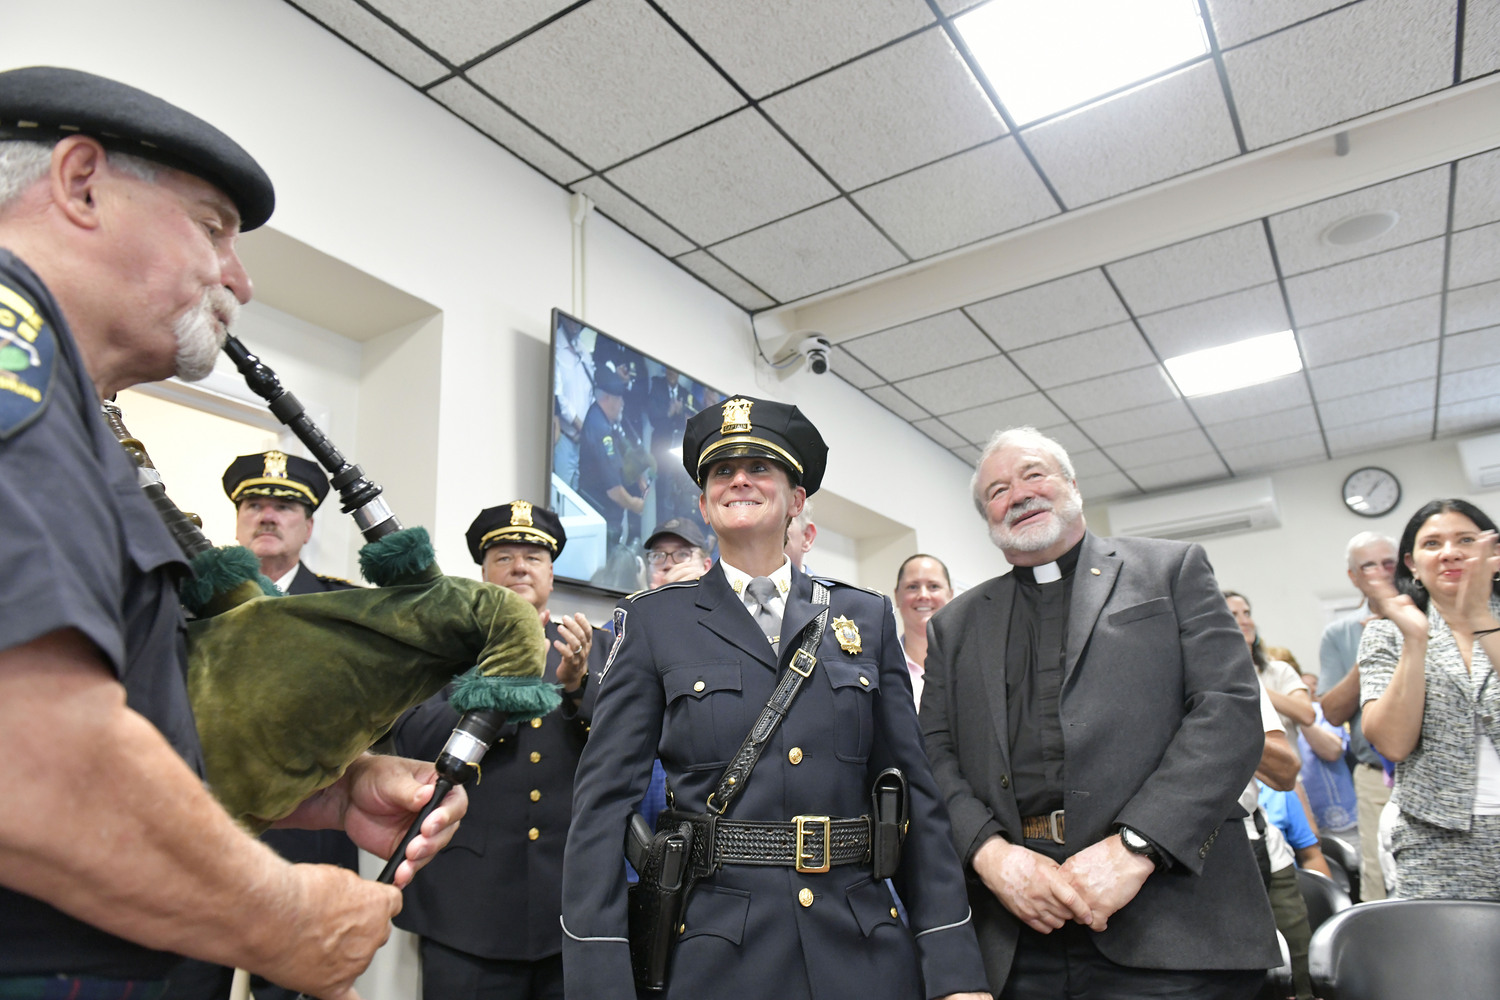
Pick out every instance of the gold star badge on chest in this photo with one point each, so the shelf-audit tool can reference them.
(847, 633)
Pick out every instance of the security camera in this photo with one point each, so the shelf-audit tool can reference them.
(815, 349)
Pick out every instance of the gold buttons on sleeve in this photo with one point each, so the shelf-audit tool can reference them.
(536, 723)
(794, 755)
(536, 795)
(699, 686)
(533, 833)
(805, 897)
(536, 758)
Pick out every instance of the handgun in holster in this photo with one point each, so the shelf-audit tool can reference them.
(888, 805)
(657, 901)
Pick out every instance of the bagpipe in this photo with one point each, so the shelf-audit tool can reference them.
(288, 691)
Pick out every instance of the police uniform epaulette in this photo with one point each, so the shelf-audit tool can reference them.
(335, 579)
(829, 581)
(666, 586)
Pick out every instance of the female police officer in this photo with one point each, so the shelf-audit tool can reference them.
(778, 912)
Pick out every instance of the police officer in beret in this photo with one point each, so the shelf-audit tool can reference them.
(692, 668)
(119, 214)
(676, 551)
(487, 907)
(275, 495)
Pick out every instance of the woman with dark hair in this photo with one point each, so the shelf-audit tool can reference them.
(1288, 691)
(1432, 703)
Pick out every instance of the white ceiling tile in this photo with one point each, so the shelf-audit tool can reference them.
(1033, 410)
(1475, 383)
(635, 219)
(1167, 127)
(892, 110)
(1107, 486)
(846, 367)
(1376, 371)
(951, 7)
(1179, 472)
(1355, 60)
(926, 345)
(1268, 456)
(1475, 349)
(1383, 433)
(1268, 397)
(1084, 355)
(1121, 391)
(1154, 451)
(1371, 332)
(459, 30)
(1475, 415)
(1420, 200)
(1236, 21)
(1476, 192)
(940, 432)
(1380, 280)
(893, 400)
(1214, 322)
(1474, 256)
(725, 178)
(1070, 437)
(378, 39)
(1247, 431)
(607, 80)
(1409, 397)
(1091, 463)
(979, 382)
(472, 105)
(772, 44)
(820, 248)
(1474, 307)
(1054, 309)
(1143, 422)
(1481, 38)
(721, 278)
(968, 454)
(1200, 268)
(965, 198)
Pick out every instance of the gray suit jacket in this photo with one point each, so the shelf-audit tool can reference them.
(1161, 729)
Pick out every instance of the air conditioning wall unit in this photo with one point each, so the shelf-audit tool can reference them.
(1481, 460)
(1212, 512)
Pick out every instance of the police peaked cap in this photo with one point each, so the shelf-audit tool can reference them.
(742, 426)
(518, 522)
(610, 382)
(277, 475)
(47, 103)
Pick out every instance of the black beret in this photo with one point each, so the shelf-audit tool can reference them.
(520, 522)
(608, 381)
(46, 103)
(744, 425)
(277, 475)
(685, 528)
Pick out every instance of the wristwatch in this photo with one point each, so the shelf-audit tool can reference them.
(1136, 843)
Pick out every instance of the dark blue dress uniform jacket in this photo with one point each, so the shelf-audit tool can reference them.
(495, 891)
(690, 673)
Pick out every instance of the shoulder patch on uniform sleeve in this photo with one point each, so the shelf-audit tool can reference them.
(28, 350)
(619, 626)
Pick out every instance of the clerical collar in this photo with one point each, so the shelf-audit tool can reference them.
(1050, 572)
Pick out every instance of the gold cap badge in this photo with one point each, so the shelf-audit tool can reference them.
(847, 634)
(520, 514)
(736, 417)
(275, 465)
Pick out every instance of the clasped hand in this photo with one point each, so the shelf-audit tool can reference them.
(1088, 888)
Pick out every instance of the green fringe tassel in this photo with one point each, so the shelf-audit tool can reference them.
(402, 557)
(521, 698)
(220, 570)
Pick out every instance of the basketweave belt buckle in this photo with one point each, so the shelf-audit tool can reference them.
(813, 822)
(803, 662)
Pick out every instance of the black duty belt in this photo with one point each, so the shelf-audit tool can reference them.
(806, 843)
(1048, 826)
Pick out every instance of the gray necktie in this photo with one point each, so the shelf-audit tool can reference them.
(762, 591)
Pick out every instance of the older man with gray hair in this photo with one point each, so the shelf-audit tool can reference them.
(1092, 718)
(1371, 559)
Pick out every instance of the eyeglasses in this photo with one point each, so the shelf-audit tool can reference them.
(657, 557)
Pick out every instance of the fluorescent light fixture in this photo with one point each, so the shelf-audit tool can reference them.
(1042, 56)
(1234, 366)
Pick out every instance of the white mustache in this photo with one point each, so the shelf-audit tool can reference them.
(1025, 507)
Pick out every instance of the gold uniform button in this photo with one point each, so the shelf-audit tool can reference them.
(536, 795)
(533, 833)
(682, 928)
(805, 897)
(894, 913)
(699, 686)
(864, 681)
(794, 755)
(536, 723)
(536, 758)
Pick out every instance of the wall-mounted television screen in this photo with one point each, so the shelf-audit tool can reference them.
(615, 464)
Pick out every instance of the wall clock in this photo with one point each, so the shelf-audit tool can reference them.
(1371, 491)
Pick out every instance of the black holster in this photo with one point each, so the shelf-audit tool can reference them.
(657, 901)
(888, 821)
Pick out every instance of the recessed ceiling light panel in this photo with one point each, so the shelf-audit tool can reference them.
(1360, 228)
(1235, 366)
(1043, 56)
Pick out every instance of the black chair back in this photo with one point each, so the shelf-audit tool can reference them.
(1397, 949)
(1343, 862)
(1322, 895)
